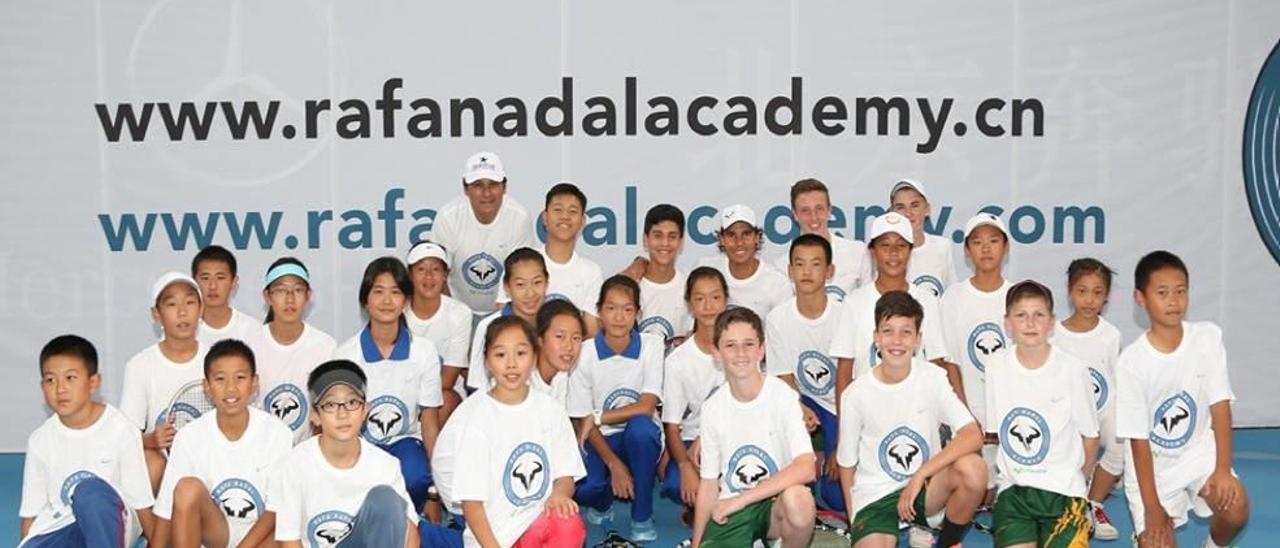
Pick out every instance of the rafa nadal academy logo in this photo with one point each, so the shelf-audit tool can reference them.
(1262, 153)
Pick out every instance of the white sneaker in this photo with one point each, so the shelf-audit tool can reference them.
(919, 537)
(1102, 527)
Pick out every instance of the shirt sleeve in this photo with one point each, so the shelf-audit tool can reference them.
(951, 409)
(429, 393)
(709, 465)
(673, 400)
(843, 341)
(1083, 411)
(850, 430)
(1218, 384)
(133, 395)
(178, 467)
(934, 347)
(284, 497)
(35, 483)
(135, 481)
(580, 403)
(566, 457)
(798, 442)
(651, 356)
(458, 345)
(1131, 401)
(471, 483)
(477, 376)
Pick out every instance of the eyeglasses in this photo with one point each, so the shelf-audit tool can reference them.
(295, 291)
(331, 407)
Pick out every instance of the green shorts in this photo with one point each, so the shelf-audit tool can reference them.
(881, 516)
(1027, 514)
(743, 528)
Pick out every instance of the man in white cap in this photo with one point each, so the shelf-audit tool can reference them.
(479, 230)
(752, 283)
(441, 319)
(811, 208)
(932, 266)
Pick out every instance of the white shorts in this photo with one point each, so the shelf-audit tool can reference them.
(1177, 500)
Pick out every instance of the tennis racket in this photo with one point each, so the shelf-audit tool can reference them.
(188, 404)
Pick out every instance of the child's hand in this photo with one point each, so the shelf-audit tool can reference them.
(623, 487)
(562, 506)
(689, 480)
(833, 469)
(164, 434)
(907, 500)
(1221, 490)
(811, 422)
(1159, 529)
(695, 452)
(723, 508)
(584, 430)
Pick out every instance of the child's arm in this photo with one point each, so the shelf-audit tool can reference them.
(802, 470)
(680, 456)
(561, 501)
(1090, 454)
(24, 525)
(646, 406)
(619, 474)
(846, 488)
(429, 420)
(262, 530)
(708, 490)
(478, 522)
(967, 441)
(291, 544)
(1221, 490)
(844, 377)
(1159, 526)
(160, 532)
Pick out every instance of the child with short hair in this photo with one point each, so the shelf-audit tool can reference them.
(439, 318)
(84, 481)
(338, 487)
(892, 463)
(662, 285)
(615, 389)
(1090, 337)
(811, 209)
(521, 455)
(560, 331)
(404, 391)
(214, 268)
(213, 489)
(753, 283)
(524, 280)
(287, 348)
(932, 266)
(756, 453)
(799, 332)
(1039, 407)
(572, 277)
(1169, 379)
(691, 375)
(153, 376)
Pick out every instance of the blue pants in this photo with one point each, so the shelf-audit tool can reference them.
(415, 467)
(382, 521)
(99, 516)
(829, 490)
(671, 482)
(638, 445)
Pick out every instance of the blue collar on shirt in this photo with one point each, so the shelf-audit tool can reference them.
(507, 310)
(399, 351)
(632, 350)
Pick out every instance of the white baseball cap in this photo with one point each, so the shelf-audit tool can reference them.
(483, 165)
(169, 278)
(984, 218)
(737, 213)
(891, 222)
(907, 183)
(426, 249)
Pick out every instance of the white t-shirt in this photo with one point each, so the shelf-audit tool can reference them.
(1040, 416)
(763, 290)
(449, 329)
(315, 503)
(745, 443)
(798, 346)
(663, 311)
(1099, 348)
(888, 431)
(932, 266)
(150, 382)
(234, 472)
(283, 371)
(691, 377)
(398, 387)
(240, 327)
(476, 251)
(973, 327)
(514, 454)
(477, 374)
(557, 389)
(577, 281)
(852, 266)
(856, 326)
(58, 458)
(1165, 399)
(603, 380)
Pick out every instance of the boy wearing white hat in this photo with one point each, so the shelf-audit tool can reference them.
(439, 318)
(753, 283)
(932, 266)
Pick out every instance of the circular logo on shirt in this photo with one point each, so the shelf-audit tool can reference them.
(748, 466)
(815, 372)
(985, 339)
(902, 452)
(481, 271)
(1024, 436)
(527, 475)
(658, 325)
(1100, 389)
(388, 418)
(1174, 421)
(931, 283)
(69, 484)
(327, 529)
(238, 499)
(287, 403)
(621, 397)
(835, 292)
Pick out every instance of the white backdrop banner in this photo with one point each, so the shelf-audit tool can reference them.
(136, 132)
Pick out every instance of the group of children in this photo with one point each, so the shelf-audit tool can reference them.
(502, 395)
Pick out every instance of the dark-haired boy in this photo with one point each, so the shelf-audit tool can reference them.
(663, 311)
(214, 485)
(84, 482)
(753, 283)
(1174, 406)
(214, 268)
(892, 464)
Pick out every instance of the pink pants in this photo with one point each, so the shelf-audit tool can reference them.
(554, 531)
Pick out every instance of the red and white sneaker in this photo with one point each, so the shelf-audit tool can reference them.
(1102, 527)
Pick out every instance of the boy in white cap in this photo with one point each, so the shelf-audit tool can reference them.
(214, 268)
(931, 263)
(153, 376)
(811, 208)
(753, 283)
(479, 230)
(439, 318)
